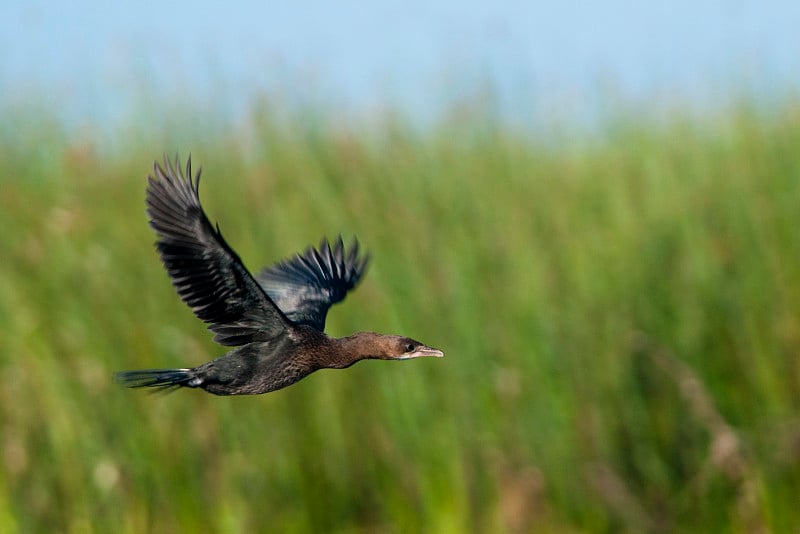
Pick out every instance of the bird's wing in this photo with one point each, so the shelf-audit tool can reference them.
(305, 286)
(206, 272)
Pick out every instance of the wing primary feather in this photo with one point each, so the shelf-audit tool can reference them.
(306, 285)
(207, 274)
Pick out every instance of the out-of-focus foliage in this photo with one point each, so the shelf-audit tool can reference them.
(620, 314)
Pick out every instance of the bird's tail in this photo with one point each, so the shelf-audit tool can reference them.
(157, 378)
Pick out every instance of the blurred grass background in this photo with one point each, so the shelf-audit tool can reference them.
(620, 314)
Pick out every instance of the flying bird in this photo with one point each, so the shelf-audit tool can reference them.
(275, 322)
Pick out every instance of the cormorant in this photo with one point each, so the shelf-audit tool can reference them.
(275, 321)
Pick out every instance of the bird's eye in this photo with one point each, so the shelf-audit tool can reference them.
(409, 347)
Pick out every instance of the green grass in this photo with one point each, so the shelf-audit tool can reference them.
(620, 314)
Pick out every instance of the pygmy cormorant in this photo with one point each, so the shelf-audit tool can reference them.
(275, 320)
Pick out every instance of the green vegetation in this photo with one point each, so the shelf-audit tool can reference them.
(620, 314)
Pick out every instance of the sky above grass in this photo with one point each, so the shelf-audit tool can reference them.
(99, 61)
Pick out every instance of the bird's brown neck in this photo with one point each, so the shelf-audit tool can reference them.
(345, 351)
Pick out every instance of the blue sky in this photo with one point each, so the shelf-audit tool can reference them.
(97, 62)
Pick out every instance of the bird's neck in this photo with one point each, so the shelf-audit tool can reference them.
(346, 351)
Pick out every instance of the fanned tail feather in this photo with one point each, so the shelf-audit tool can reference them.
(157, 378)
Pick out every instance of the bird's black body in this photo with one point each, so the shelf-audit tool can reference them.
(275, 321)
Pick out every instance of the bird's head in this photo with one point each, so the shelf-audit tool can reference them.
(405, 348)
(369, 345)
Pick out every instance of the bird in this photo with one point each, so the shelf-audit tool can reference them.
(274, 322)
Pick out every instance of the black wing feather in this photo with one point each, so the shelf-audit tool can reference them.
(306, 286)
(206, 272)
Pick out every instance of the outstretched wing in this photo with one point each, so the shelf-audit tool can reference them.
(206, 272)
(305, 286)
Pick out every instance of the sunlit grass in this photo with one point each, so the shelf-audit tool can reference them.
(620, 317)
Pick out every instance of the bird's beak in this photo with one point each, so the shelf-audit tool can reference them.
(425, 351)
